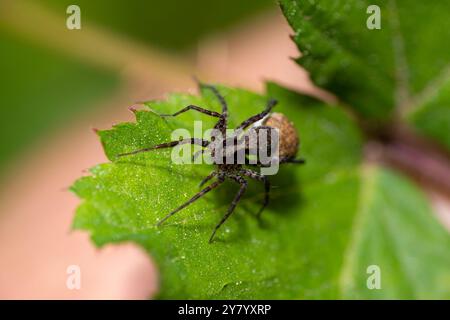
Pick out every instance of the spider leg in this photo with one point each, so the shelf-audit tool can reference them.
(207, 178)
(292, 160)
(168, 145)
(260, 177)
(270, 104)
(216, 92)
(222, 123)
(282, 160)
(192, 107)
(236, 199)
(197, 154)
(258, 164)
(194, 198)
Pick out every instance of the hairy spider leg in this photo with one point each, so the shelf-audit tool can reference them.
(193, 199)
(292, 160)
(207, 178)
(196, 108)
(198, 153)
(222, 124)
(270, 104)
(195, 141)
(257, 176)
(216, 92)
(233, 204)
(282, 160)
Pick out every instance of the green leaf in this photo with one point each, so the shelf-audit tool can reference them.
(394, 230)
(432, 117)
(326, 222)
(147, 21)
(45, 90)
(124, 199)
(398, 67)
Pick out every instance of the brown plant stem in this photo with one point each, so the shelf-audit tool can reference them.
(403, 149)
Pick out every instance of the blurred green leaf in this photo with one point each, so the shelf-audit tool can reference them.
(313, 241)
(395, 231)
(376, 71)
(432, 117)
(42, 90)
(46, 89)
(171, 24)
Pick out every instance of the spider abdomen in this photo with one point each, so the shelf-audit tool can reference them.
(289, 140)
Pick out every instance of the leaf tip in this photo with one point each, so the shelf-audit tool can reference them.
(132, 109)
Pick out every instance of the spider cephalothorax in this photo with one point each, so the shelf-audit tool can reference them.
(246, 139)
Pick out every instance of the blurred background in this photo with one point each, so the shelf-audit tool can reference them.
(58, 84)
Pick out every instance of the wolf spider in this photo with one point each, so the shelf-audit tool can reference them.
(288, 147)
